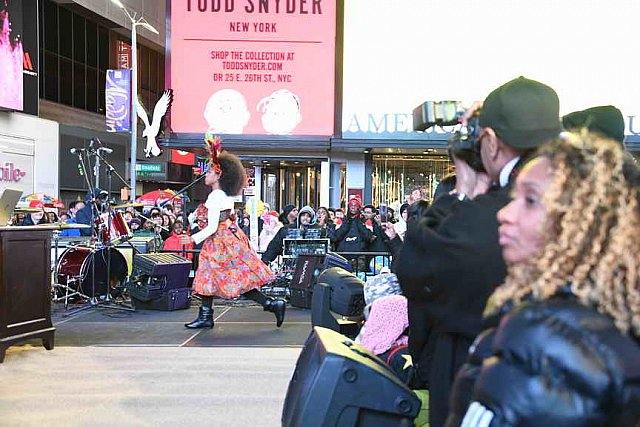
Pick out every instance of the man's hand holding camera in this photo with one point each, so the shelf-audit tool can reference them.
(469, 181)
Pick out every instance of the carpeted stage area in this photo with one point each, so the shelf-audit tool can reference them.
(143, 368)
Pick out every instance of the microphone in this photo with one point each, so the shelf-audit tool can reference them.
(76, 150)
(106, 150)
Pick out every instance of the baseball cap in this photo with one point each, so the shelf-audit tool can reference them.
(606, 120)
(523, 112)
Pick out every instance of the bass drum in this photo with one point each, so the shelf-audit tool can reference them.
(75, 270)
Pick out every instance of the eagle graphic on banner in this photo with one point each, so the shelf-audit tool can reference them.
(152, 129)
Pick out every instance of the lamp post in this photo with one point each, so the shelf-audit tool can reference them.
(135, 22)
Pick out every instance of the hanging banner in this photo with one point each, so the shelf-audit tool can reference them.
(123, 55)
(118, 100)
(253, 67)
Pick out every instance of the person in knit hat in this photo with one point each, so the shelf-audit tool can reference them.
(305, 221)
(289, 215)
(353, 235)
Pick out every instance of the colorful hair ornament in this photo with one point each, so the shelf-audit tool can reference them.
(214, 146)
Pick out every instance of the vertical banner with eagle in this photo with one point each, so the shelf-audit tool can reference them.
(118, 101)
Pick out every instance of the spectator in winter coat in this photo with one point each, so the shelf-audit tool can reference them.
(353, 235)
(305, 221)
(173, 241)
(567, 355)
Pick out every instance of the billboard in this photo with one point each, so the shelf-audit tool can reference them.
(19, 55)
(253, 67)
(444, 50)
(11, 55)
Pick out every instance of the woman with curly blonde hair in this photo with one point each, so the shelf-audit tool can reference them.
(568, 353)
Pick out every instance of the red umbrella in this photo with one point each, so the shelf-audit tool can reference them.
(158, 196)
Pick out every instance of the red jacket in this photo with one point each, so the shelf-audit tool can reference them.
(173, 244)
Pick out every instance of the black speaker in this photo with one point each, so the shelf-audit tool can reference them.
(339, 383)
(347, 291)
(308, 267)
(333, 259)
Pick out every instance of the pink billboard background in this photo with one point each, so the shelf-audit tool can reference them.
(260, 71)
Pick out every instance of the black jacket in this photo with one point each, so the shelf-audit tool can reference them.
(352, 235)
(448, 266)
(551, 363)
(379, 242)
(276, 245)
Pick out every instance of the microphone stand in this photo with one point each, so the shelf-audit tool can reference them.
(181, 192)
(112, 169)
(93, 301)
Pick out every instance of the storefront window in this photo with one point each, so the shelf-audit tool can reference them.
(402, 178)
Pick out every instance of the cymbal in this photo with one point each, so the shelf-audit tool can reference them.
(26, 210)
(128, 205)
(65, 226)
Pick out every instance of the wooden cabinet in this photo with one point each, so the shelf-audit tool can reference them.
(25, 283)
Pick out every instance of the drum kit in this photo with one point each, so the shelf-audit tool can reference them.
(93, 269)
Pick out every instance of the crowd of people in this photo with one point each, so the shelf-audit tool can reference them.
(516, 291)
(522, 282)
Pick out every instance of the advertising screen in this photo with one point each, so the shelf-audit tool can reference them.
(11, 55)
(461, 50)
(253, 66)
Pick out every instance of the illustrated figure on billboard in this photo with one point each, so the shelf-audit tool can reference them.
(281, 112)
(11, 63)
(226, 112)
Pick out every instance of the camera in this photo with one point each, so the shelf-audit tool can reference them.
(441, 113)
(464, 142)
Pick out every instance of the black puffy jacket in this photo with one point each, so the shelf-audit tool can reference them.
(551, 363)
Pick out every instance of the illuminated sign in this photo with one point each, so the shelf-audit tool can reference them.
(11, 55)
(396, 57)
(10, 173)
(253, 67)
(16, 171)
(183, 157)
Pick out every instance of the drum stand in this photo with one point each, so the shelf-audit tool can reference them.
(95, 302)
(68, 291)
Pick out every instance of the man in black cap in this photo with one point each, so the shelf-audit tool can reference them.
(85, 215)
(451, 261)
(605, 120)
